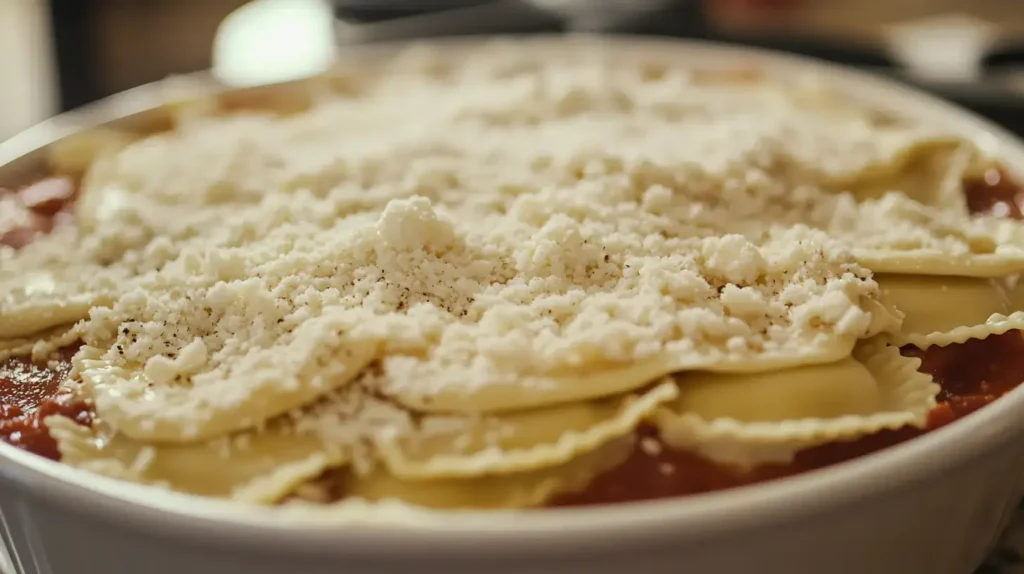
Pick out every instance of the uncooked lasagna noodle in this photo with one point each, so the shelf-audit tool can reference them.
(462, 280)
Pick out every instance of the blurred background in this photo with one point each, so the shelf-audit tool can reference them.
(59, 54)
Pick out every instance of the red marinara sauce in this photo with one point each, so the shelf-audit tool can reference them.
(29, 394)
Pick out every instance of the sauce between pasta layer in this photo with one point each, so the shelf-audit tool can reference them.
(971, 375)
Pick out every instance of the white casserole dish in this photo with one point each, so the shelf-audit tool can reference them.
(933, 505)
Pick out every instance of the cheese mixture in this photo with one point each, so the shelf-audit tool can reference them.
(468, 278)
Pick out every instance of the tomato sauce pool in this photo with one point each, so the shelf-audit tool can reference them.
(971, 375)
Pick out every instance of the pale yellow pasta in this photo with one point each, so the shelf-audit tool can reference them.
(942, 311)
(929, 171)
(258, 467)
(22, 322)
(143, 409)
(15, 347)
(997, 324)
(516, 441)
(518, 490)
(811, 391)
(942, 304)
(37, 301)
(746, 421)
(518, 391)
(39, 346)
(1014, 287)
(939, 263)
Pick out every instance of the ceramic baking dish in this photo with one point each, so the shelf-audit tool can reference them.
(933, 505)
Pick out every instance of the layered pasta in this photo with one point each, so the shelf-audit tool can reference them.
(500, 279)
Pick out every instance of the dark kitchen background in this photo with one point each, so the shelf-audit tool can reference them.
(99, 47)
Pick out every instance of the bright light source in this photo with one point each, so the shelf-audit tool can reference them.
(268, 41)
(944, 46)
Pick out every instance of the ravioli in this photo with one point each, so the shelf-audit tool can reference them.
(897, 235)
(929, 170)
(33, 302)
(517, 490)
(941, 304)
(450, 447)
(524, 392)
(155, 403)
(748, 420)
(259, 467)
(946, 310)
